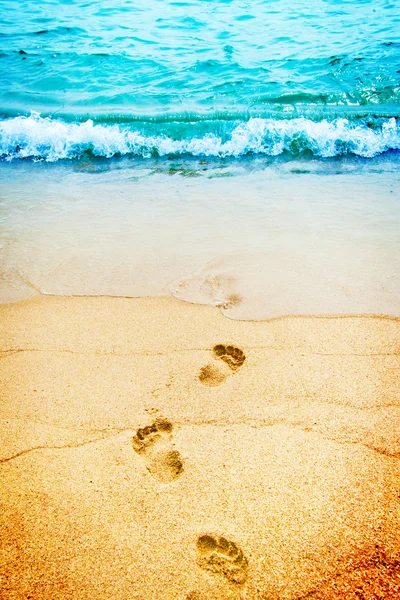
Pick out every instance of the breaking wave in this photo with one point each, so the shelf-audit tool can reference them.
(44, 138)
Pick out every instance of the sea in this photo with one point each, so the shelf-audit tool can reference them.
(240, 154)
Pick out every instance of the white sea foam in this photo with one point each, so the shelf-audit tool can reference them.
(50, 139)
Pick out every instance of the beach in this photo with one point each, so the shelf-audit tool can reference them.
(155, 449)
(199, 300)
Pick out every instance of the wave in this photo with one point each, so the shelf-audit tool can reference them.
(44, 138)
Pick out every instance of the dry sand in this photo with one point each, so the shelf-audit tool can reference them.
(139, 464)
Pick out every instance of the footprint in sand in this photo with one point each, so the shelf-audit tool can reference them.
(154, 444)
(212, 374)
(219, 555)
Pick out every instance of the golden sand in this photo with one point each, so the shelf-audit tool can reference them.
(156, 450)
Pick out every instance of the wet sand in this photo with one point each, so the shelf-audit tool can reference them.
(154, 449)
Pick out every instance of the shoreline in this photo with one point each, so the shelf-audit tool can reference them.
(262, 244)
(266, 460)
(219, 308)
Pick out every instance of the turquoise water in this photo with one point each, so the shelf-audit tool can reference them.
(206, 78)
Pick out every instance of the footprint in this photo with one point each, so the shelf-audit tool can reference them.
(193, 595)
(211, 375)
(154, 443)
(219, 555)
(232, 356)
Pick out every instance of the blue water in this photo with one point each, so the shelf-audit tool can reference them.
(203, 78)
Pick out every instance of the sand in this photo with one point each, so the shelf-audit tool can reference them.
(156, 450)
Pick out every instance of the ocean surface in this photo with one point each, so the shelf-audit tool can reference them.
(234, 153)
(202, 78)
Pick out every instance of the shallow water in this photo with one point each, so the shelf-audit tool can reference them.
(258, 240)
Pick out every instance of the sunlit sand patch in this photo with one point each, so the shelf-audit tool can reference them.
(374, 577)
